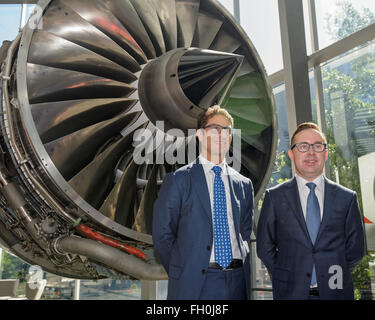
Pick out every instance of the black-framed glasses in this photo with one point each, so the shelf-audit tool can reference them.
(217, 128)
(304, 146)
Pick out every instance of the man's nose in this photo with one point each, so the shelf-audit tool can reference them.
(311, 149)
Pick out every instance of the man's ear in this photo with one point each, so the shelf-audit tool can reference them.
(291, 155)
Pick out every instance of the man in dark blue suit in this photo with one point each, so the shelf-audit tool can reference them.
(203, 220)
(310, 231)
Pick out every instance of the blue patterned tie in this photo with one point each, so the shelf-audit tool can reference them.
(223, 248)
(312, 219)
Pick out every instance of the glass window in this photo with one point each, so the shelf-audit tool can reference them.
(58, 288)
(10, 16)
(11, 267)
(110, 289)
(313, 96)
(338, 19)
(260, 20)
(228, 4)
(349, 84)
(283, 169)
(162, 292)
(263, 284)
(306, 19)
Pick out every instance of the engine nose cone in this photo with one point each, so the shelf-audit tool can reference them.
(179, 85)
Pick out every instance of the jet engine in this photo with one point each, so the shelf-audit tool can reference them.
(91, 87)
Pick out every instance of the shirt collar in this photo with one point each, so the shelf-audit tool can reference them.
(319, 181)
(208, 165)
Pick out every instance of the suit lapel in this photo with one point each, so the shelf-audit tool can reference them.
(200, 187)
(329, 199)
(292, 195)
(328, 206)
(234, 201)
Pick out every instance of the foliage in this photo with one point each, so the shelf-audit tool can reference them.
(347, 20)
(12, 267)
(360, 276)
(348, 89)
(282, 168)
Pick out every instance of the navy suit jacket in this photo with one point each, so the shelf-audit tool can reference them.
(183, 232)
(284, 245)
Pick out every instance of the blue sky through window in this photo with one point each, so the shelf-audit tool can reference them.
(10, 16)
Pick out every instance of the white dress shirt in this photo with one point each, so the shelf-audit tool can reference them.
(305, 190)
(210, 176)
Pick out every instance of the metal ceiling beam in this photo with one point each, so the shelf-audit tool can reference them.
(18, 1)
(237, 10)
(295, 62)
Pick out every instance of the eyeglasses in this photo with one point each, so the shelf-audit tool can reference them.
(217, 128)
(304, 147)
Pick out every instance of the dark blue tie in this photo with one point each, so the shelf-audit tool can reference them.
(223, 248)
(312, 219)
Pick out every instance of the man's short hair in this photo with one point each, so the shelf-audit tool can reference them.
(305, 126)
(211, 112)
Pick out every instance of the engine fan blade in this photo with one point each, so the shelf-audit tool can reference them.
(72, 85)
(74, 151)
(143, 220)
(119, 204)
(149, 17)
(206, 30)
(187, 16)
(96, 13)
(56, 119)
(84, 34)
(94, 182)
(128, 16)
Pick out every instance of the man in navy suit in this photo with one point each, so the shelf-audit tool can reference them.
(203, 220)
(310, 231)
